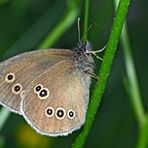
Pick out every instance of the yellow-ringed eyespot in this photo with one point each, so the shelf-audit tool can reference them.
(49, 111)
(10, 77)
(60, 113)
(17, 88)
(38, 88)
(43, 94)
(71, 114)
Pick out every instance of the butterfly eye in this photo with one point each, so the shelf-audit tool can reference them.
(17, 88)
(60, 113)
(38, 88)
(10, 78)
(71, 114)
(49, 111)
(44, 93)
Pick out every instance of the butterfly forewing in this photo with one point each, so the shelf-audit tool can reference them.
(17, 73)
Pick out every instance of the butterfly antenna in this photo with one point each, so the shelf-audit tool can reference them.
(79, 30)
(92, 25)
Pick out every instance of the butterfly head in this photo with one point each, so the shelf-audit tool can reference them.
(83, 48)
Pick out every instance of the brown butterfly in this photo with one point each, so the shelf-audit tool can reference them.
(50, 88)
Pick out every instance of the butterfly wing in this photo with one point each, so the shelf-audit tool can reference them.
(17, 73)
(60, 106)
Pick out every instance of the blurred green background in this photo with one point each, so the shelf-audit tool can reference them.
(24, 24)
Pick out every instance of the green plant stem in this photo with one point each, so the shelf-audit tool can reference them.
(104, 72)
(86, 16)
(134, 91)
(132, 82)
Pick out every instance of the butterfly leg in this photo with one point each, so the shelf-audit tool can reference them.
(95, 53)
(92, 74)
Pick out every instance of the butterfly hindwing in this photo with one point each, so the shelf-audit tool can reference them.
(58, 106)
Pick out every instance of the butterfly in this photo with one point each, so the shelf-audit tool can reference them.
(49, 88)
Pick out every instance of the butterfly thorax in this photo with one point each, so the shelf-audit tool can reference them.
(83, 58)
